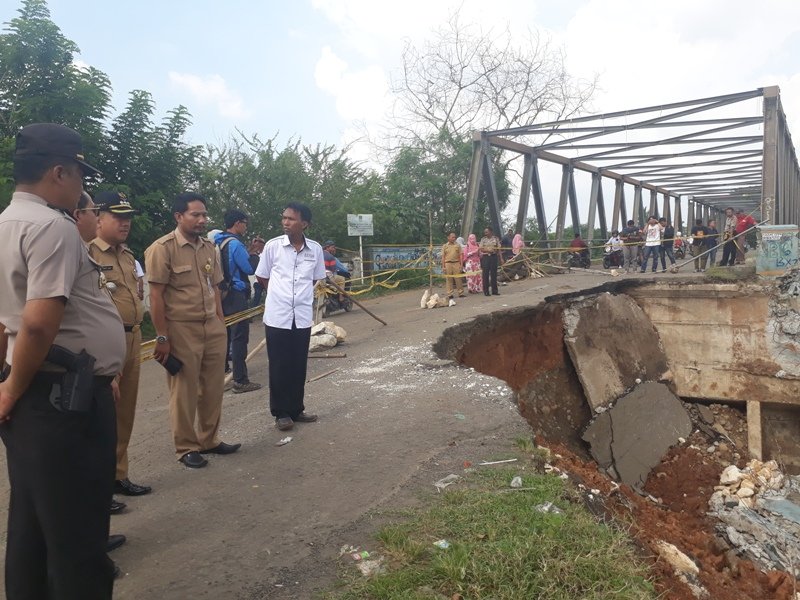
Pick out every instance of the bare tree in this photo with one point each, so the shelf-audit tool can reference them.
(465, 78)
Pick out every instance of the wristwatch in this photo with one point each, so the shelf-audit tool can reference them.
(161, 339)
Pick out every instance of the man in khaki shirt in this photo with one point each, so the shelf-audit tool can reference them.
(451, 265)
(184, 274)
(118, 265)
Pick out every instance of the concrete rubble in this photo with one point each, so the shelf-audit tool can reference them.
(759, 515)
(632, 437)
(325, 335)
(612, 343)
(685, 568)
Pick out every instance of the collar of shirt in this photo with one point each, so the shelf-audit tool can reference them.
(183, 241)
(287, 242)
(28, 197)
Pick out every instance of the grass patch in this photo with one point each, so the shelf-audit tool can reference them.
(501, 548)
(731, 274)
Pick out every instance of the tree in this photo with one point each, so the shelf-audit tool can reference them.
(466, 78)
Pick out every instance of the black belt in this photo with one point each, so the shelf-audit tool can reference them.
(131, 328)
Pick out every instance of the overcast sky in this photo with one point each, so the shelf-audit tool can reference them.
(311, 68)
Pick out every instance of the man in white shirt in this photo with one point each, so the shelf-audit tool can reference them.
(289, 267)
(652, 243)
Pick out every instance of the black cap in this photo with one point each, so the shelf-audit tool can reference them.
(328, 243)
(116, 203)
(51, 139)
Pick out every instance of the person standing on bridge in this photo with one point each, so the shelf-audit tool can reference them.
(63, 329)
(116, 260)
(652, 242)
(184, 273)
(289, 268)
(729, 249)
(490, 255)
(631, 238)
(452, 266)
(472, 265)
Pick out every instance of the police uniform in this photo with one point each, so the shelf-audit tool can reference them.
(60, 464)
(118, 266)
(191, 274)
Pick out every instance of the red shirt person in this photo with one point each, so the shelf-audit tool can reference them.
(743, 223)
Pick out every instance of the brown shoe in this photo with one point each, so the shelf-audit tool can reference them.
(305, 418)
(284, 423)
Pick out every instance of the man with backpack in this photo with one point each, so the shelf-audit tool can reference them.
(238, 263)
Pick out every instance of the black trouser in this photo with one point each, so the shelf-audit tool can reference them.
(667, 251)
(489, 272)
(258, 290)
(729, 253)
(238, 335)
(287, 351)
(61, 467)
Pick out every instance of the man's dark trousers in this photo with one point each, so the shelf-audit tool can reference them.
(238, 334)
(61, 467)
(489, 272)
(287, 350)
(729, 253)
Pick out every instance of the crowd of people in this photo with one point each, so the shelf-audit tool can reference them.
(70, 336)
(658, 240)
(477, 262)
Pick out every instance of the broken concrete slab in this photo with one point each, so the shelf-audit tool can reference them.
(632, 437)
(612, 343)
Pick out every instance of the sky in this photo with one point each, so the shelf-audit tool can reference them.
(319, 70)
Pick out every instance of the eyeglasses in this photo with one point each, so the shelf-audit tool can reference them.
(94, 209)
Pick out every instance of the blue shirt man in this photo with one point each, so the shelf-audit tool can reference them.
(239, 266)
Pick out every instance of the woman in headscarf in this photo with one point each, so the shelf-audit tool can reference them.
(472, 265)
(517, 244)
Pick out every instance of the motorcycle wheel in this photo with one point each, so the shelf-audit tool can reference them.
(606, 262)
(348, 306)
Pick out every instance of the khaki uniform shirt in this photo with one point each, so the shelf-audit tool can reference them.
(119, 267)
(190, 272)
(451, 252)
(44, 257)
(489, 245)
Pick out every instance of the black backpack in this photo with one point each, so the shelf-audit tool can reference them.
(227, 280)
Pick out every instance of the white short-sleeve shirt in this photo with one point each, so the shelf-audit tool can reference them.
(291, 275)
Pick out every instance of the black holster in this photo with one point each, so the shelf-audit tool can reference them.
(75, 391)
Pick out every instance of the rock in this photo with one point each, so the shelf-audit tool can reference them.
(340, 333)
(433, 301)
(327, 327)
(634, 435)
(423, 303)
(677, 559)
(705, 414)
(730, 475)
(322, 341)
(745, 492)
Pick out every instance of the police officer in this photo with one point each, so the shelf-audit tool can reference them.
(60, 457)
(184, 274)
(118, 264)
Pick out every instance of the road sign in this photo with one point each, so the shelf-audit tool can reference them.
(359, 225)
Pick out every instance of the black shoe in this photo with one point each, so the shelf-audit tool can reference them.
(114, 542)
(486, 294)
(284, 423)
(116, 507)
(305, 418)
(117, 571)
(127, 488)
(495, 293)
(193, 460)
(222, 448)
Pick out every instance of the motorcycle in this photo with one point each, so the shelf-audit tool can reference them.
(579, 259)
(679, 250)
(613, 258)
(329, 300)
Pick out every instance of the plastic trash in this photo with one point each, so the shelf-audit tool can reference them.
(446, 481)
(548, 507)
(442, 544)
(284, 441)
(516, 482)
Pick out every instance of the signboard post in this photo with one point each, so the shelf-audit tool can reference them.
(360, 225)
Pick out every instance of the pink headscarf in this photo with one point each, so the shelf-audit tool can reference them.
(517, 244)
(471, 246)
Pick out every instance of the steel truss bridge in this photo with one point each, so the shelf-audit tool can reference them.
(707, 154)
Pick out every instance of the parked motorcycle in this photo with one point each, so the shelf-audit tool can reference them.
(329, 300)
(579, 260)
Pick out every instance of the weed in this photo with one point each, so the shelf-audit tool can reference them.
(502, 547)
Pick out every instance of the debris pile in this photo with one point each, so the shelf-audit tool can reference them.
(758, 514)
(326, 335)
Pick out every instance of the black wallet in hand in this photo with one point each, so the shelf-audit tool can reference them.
(173, 365)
